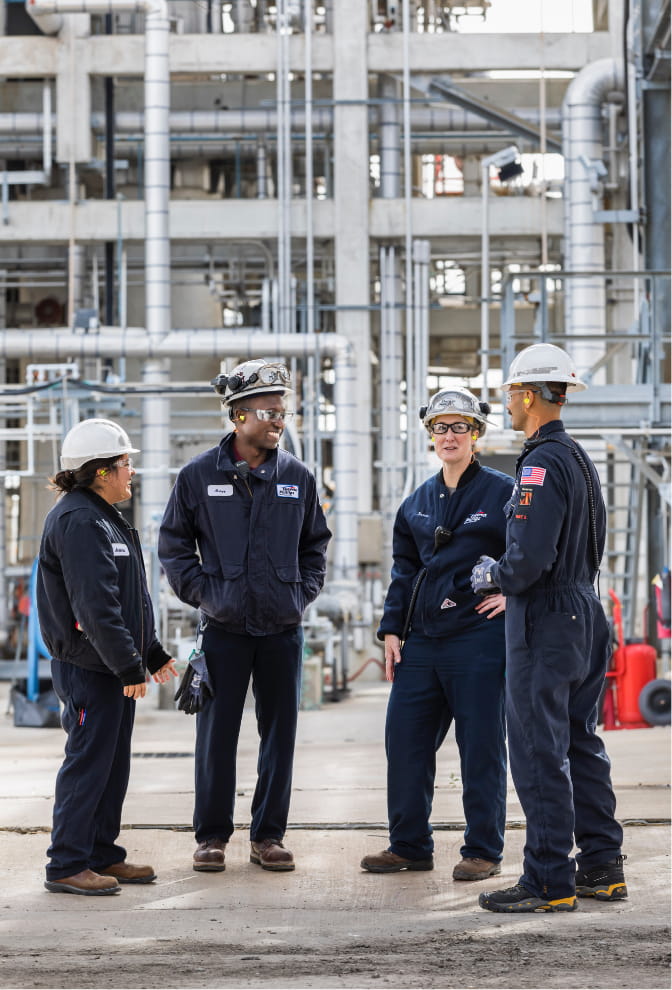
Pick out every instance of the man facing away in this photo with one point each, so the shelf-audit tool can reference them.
(244, 539)
(558, 647)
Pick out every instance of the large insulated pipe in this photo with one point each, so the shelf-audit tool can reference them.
(434, 120)
(113, 342)
(582, 146)
(156, 409)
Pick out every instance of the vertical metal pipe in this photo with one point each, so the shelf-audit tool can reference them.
(421, 260)
(389, 139)
(284, 166)
(46, 131)
(585, 298)
(262, 191)
(485, 280)
(110, 182)
(310, 240)
(412, 400)
(345, 555)
(156, 409)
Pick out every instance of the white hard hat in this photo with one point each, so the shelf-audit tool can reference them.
(544, 363)
(91, 440)
(457, 400)
(256, 377)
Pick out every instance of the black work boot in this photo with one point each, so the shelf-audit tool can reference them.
(518, 899)
(605, 882)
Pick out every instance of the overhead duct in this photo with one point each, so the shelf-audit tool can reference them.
(582, 144)
(112, 342)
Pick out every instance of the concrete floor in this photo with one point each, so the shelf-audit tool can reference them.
(328, 923)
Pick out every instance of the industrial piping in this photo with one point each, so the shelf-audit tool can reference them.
(155, 409)
(136, 342)
(582, 147)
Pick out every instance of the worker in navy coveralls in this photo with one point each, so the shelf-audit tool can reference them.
(244, 540)
(444, 649)
(558, 647)
(97, 621)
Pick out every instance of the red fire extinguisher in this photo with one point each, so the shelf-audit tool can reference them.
(633, 666)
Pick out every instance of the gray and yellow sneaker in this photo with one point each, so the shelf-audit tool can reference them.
(605, 882)
(518, 899)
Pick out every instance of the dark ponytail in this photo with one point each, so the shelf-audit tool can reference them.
(83, 477)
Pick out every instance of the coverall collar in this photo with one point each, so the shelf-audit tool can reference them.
(226, 459)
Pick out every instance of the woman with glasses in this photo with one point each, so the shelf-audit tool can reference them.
(97, 621)
(444, 648)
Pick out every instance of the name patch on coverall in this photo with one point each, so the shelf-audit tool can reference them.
(220, 490)
(120, 550)
(287, 491)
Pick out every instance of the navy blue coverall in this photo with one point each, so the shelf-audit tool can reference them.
(97, 621)
(250, 553)
(452, 664)
(558, 647)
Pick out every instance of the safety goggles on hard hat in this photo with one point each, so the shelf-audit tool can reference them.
(454, 400)
(268, 374)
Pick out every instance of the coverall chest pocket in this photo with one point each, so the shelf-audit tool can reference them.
(284, 529)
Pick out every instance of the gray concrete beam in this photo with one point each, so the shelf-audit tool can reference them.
(486, 52)
(202, 54)
(48, 221)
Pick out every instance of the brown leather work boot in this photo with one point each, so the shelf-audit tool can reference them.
(388, 862)
(86, 882)
(209, 856)
(129, 873)
(270, 854)
(474, 868)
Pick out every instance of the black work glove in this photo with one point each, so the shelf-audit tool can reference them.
(195, 687)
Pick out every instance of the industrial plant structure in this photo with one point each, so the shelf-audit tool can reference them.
(386, 195)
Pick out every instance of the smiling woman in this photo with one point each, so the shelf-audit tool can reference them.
(444, 648)
(98, 623)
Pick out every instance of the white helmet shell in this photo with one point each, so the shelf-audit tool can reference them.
(256, 377)
(544, 363)
(91, 440)
(456, 401)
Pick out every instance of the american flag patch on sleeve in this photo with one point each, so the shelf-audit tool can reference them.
(532, 476)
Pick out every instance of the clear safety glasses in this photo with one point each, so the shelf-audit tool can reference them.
(441, 428)
(266, 415)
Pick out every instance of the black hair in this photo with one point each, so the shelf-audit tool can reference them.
(82, 477)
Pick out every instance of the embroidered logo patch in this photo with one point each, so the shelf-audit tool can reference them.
(448, 603)
(287, 491)
(219, 491)
(476, 517)
(532, 476)
(525, 498)
(120, 550)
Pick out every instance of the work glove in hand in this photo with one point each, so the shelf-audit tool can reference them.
(195, 687)
(480, 575)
